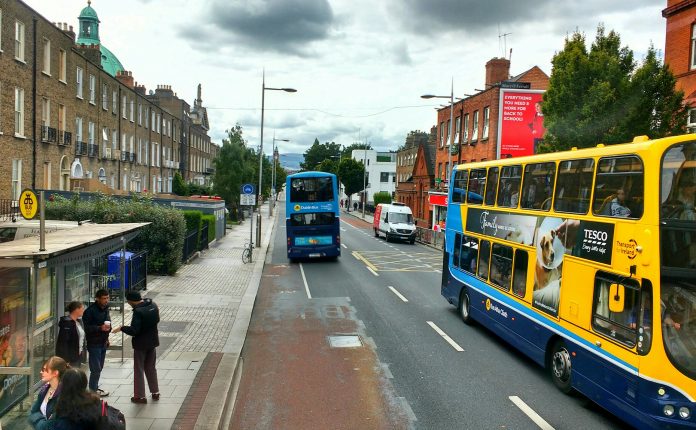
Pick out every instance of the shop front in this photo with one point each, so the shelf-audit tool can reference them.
(438, 205)
(35, 286)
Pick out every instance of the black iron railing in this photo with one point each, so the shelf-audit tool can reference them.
(9, 210)
(190, 244)
(80, 148)
(48, 134)
(204, 237)
(65, 138)
(92, 150)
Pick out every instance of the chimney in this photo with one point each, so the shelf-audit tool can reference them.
(126, 78)
(497, 70)
(140, 89)
(164, 90)
(67, 29)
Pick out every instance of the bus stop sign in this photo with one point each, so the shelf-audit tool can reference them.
(28, 204)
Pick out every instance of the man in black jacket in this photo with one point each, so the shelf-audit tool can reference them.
(143, 329)
(97, 325)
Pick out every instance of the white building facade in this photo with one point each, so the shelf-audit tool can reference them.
(381, 173)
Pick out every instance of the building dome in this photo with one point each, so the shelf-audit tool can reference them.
(89, 35)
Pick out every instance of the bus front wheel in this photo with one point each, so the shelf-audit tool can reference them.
(465, 308)
(561, 367)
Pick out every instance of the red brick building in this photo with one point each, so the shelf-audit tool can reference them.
(680, 50)
(414, 191)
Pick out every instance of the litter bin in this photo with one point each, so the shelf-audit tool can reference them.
(113, 269)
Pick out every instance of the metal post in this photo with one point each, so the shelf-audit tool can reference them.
(364, 180)
(258, 203)
(451, 136)
(122, 271)
(271, 203)
(42, 222)
(251, 232)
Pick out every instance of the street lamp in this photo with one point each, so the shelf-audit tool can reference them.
(451, 123)
(258, 191)
(273, 174)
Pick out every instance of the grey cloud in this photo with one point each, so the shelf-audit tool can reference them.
(283, 26)
(401, 55)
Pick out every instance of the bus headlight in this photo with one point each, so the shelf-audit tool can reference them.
(684, 412)
(668, 410)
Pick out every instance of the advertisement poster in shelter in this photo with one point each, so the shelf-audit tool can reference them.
(521, 123)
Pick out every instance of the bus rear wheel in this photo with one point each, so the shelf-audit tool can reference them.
(561, 367)
(465, 307)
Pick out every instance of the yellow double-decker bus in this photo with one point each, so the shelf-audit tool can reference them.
(585, 261)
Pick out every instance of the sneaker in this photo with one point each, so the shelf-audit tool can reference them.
(155, 396)
(138, 400)
(102, 393)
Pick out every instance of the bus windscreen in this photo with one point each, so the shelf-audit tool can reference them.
(304, 190)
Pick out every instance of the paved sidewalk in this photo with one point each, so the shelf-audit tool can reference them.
(205, 311)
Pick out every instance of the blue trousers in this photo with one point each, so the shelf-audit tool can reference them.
(97, 354)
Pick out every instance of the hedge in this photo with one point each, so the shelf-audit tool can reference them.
(194, 222)
(163, 238)
(381, 197)
(210, 219)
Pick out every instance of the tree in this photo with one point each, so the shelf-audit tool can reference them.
(347, 151)
(599, 96)
(351, 174)
(179, 186)
(234, 166)
(319, 152)
(328, 165)
(381, 197)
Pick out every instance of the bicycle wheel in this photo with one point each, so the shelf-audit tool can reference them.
(246, 255)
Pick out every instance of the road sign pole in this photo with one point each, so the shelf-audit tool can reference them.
(42, 222)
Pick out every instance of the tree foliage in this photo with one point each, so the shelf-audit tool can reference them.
(381, 197)
(599, 96)
(351, 174)
(234, 166)
(347, 151)
(179, 186)
(319, 152)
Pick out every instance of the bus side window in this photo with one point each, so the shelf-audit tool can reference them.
(619, 187)
(573, 186)
(492, 185)
(459, 189)
(509, 187)
(620, 326)
(537, 188)
(477, 184)
(457, 250)
(519, 277)
(501, 266)
(484, 258)
(469, 255)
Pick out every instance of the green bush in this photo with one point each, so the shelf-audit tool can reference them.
(382, 197)
(179, 186)
(194, 221)
(163, 238)
(210, 219)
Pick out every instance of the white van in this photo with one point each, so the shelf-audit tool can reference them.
(395, 221)
(20, 229)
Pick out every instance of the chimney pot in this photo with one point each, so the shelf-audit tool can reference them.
(497, 70)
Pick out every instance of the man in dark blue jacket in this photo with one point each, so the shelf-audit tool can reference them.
(97, 327)
(143, 329)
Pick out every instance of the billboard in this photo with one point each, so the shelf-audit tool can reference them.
(521, 123)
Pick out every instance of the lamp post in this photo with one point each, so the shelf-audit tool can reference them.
(273, 174)
(258, 191)
(451, 123)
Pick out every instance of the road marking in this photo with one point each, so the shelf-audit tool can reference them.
(398, 294)
(371, 270)
(343, 229)
(344, 245)
(530, 413)
(444, 336)
(304, 278)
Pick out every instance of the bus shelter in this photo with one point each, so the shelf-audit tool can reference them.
(35, 286)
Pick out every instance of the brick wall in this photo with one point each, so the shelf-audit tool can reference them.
(681, 16)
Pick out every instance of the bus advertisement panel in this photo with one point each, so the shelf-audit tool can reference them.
(521, 123)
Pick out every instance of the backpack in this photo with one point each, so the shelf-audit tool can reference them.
(110, 418)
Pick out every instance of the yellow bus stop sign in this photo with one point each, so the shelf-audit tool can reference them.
(28, 204)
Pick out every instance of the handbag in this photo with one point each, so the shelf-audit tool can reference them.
(110, 418)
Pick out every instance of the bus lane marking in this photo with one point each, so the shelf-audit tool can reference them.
(371, 270)
(304, 279)
(449, 340)
(398, 294)
(538, 420)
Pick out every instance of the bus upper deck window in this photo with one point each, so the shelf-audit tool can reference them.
(491, 185)
(477, 185)
(619, 187)
(509, 186)
(459, 188)
(537, 187)
(573, 186)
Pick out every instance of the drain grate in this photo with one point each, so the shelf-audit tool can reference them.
(345, 341)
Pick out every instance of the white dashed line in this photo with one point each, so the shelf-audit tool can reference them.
(373, 272)
(530, 413)
(344, 245)
(343, 229)
(304, 278)
(398, 294)
(444, 336)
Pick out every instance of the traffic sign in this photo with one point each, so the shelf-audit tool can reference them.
(248, 189)
(28, 204)
(247, 199)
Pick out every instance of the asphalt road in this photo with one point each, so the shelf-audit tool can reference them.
(417, 366)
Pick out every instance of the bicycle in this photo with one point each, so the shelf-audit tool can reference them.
(246, 254)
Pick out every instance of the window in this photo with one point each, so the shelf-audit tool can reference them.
(47, 56)
(105, 141)
(457, 250)
(691, 121)
(519, 275)
(693, 46)
(474, 131)
(617, 308)
(124, 106)
(484, 258)
(92, 89)
(311, 190)
(477, 183)
(486, 121)
(19, 112)
(45, 112)
(159, 123)
(501, 266)
(61, 120)
(114, 142)
(442, 134)
(114, 102)
(19, 41)
(78, 129)
(140, 114)
(492, 185)
(573, 187)
(316, 218)
(619, 187)
(384, 177)
(509, 187)
(678, 308)
(90, 133)
(63, 66)
(16, 179)
(78, 80)
(131, 116)
(459, 190)
(465, 129)
(457, 128)
(124, 142)
(154, 128)
(449, 132)
(537, 188)
(469, 254)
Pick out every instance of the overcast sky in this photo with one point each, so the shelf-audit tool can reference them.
(359, 66)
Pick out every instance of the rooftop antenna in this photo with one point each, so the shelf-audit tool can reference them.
(503, 36)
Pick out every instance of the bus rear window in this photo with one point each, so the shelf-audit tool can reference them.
(312, 219)
(311, 190)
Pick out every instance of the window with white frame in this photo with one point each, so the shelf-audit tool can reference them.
(457, 128)
(114, 141)
(105, 97)
(131, 147)
(63, 63)
(146, 159)
(47, 56)
(78, 129)
(105, 140)
(132, 111)
(475, 124)
(442, 134)
(159, 123)
(140, 114)
(19, 112)
(154, 128)
(486, 122)
(16, 179)
(691, 121)
(79, 82)
(465, 129)
(124, 106)
(45, 112)
(140, 149)
(114, 102)
(92, 89)
(124, 142)
(19, 41)
(61, 119)
(90, 133)
(693, 46)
